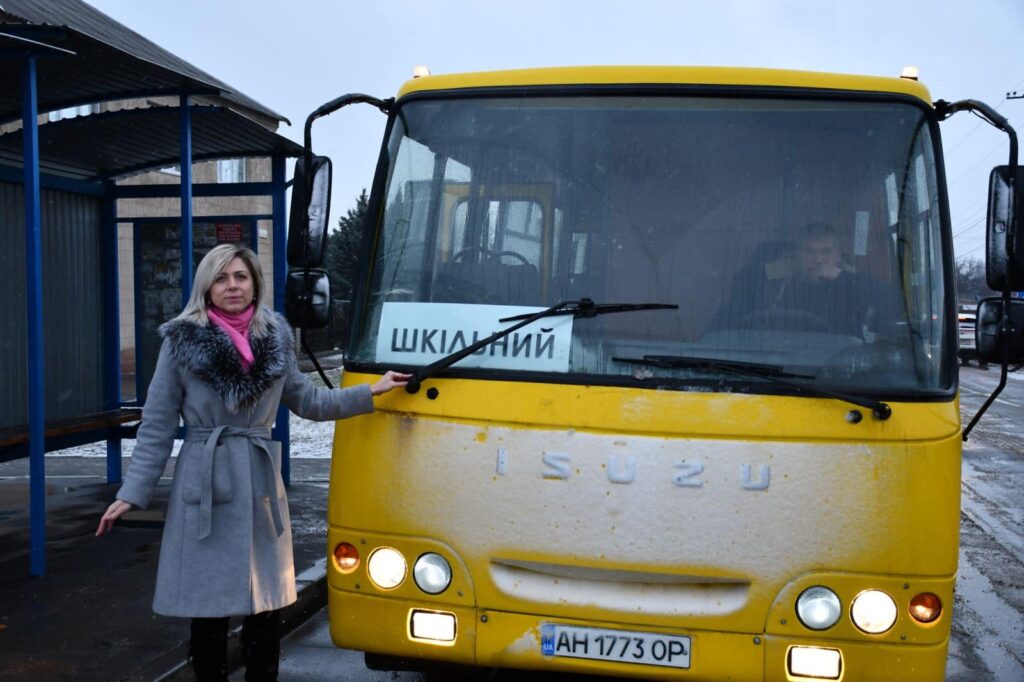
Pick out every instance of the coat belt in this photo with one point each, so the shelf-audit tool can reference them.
(259, 437)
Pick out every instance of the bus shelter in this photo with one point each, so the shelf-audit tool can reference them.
(59, 265)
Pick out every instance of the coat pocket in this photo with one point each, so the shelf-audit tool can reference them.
(190, 466)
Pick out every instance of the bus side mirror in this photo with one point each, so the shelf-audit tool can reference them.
(307, 299)
(307, 221)
(988, 333)
(1004, 241)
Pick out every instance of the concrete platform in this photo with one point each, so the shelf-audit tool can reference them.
(90, 617)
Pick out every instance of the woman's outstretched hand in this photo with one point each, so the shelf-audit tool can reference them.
(389, 381)
(113, 513)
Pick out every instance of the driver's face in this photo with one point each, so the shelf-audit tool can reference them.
(819, 258)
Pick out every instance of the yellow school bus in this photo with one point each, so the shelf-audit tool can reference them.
(685, 401)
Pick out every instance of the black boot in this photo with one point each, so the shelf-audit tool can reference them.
(208, 649)
(261, 646)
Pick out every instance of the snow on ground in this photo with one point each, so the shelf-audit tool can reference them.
(309, 440)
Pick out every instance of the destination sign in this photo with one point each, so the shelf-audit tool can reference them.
(420, 333)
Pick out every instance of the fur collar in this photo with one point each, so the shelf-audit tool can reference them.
(207, 353)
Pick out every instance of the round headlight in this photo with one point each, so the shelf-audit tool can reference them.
(386, 567)
(432, 573)
(818, 608)
(873, 611)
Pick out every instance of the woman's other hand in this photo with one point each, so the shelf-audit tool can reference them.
(389, 381)
(113, 513)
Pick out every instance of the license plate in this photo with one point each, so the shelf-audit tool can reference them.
(620, 646)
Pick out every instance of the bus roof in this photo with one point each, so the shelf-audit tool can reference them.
(667, 75)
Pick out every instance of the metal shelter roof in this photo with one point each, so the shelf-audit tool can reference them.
(64, 53)
(112, 61)
(104, 146)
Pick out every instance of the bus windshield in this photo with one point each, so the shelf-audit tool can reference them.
(802, 234)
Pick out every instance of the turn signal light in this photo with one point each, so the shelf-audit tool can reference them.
(346, 557)
(925, 607)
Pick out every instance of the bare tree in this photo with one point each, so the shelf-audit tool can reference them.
(970, 280)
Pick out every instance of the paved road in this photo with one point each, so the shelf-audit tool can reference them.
(988, 626)
(988, 630)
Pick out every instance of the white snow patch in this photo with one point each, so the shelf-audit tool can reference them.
(309, 440)
(527, 644)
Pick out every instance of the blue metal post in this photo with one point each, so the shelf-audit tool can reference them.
(280, 240)
(34, 300)
(140, 387)
(111, 326)
(186, 199)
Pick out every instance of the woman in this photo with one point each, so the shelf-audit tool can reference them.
(225, 365)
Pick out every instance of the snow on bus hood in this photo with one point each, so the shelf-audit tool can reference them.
(668, 525)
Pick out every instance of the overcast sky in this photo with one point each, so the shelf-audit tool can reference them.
(294, 56)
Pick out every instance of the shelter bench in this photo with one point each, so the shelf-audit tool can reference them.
(13, 436)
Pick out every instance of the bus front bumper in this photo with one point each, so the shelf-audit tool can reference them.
(497, 639)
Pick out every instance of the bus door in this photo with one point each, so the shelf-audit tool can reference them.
(495, 244)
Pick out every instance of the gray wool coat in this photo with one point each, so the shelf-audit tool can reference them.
(227, 544)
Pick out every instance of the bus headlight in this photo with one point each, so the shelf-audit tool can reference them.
(386, 567)
(818, 608)
(432, 573)
(433, 626)
(873, 611)
(813, 661)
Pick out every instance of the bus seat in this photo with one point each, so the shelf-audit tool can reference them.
(488, 281)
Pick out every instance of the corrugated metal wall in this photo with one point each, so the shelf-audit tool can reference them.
(13, 354)
(72, 305)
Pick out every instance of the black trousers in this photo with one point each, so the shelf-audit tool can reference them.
(260, 645)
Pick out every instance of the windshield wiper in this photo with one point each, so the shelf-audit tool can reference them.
(737, 366)
(587, 308)
(581, 308)
(775, 373)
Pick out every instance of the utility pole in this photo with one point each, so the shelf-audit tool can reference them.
(1016, 94)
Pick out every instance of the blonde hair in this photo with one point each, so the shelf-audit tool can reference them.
(209, 267)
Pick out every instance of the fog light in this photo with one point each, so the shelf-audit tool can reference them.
(435, 626)
(812, 661)
(818, 608)
(386, 567)
(346, 557)
(925, 607)
(432, 573)
(873, 611)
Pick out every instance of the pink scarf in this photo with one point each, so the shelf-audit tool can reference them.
(236, 326)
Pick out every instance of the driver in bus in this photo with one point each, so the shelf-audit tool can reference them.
(814, 290)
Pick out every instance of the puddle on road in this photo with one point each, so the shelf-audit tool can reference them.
(994, 624)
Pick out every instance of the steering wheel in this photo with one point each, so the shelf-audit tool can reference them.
(453, 285)
(780, 319)
(490, 255)
(514, 254)
(486, 253)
